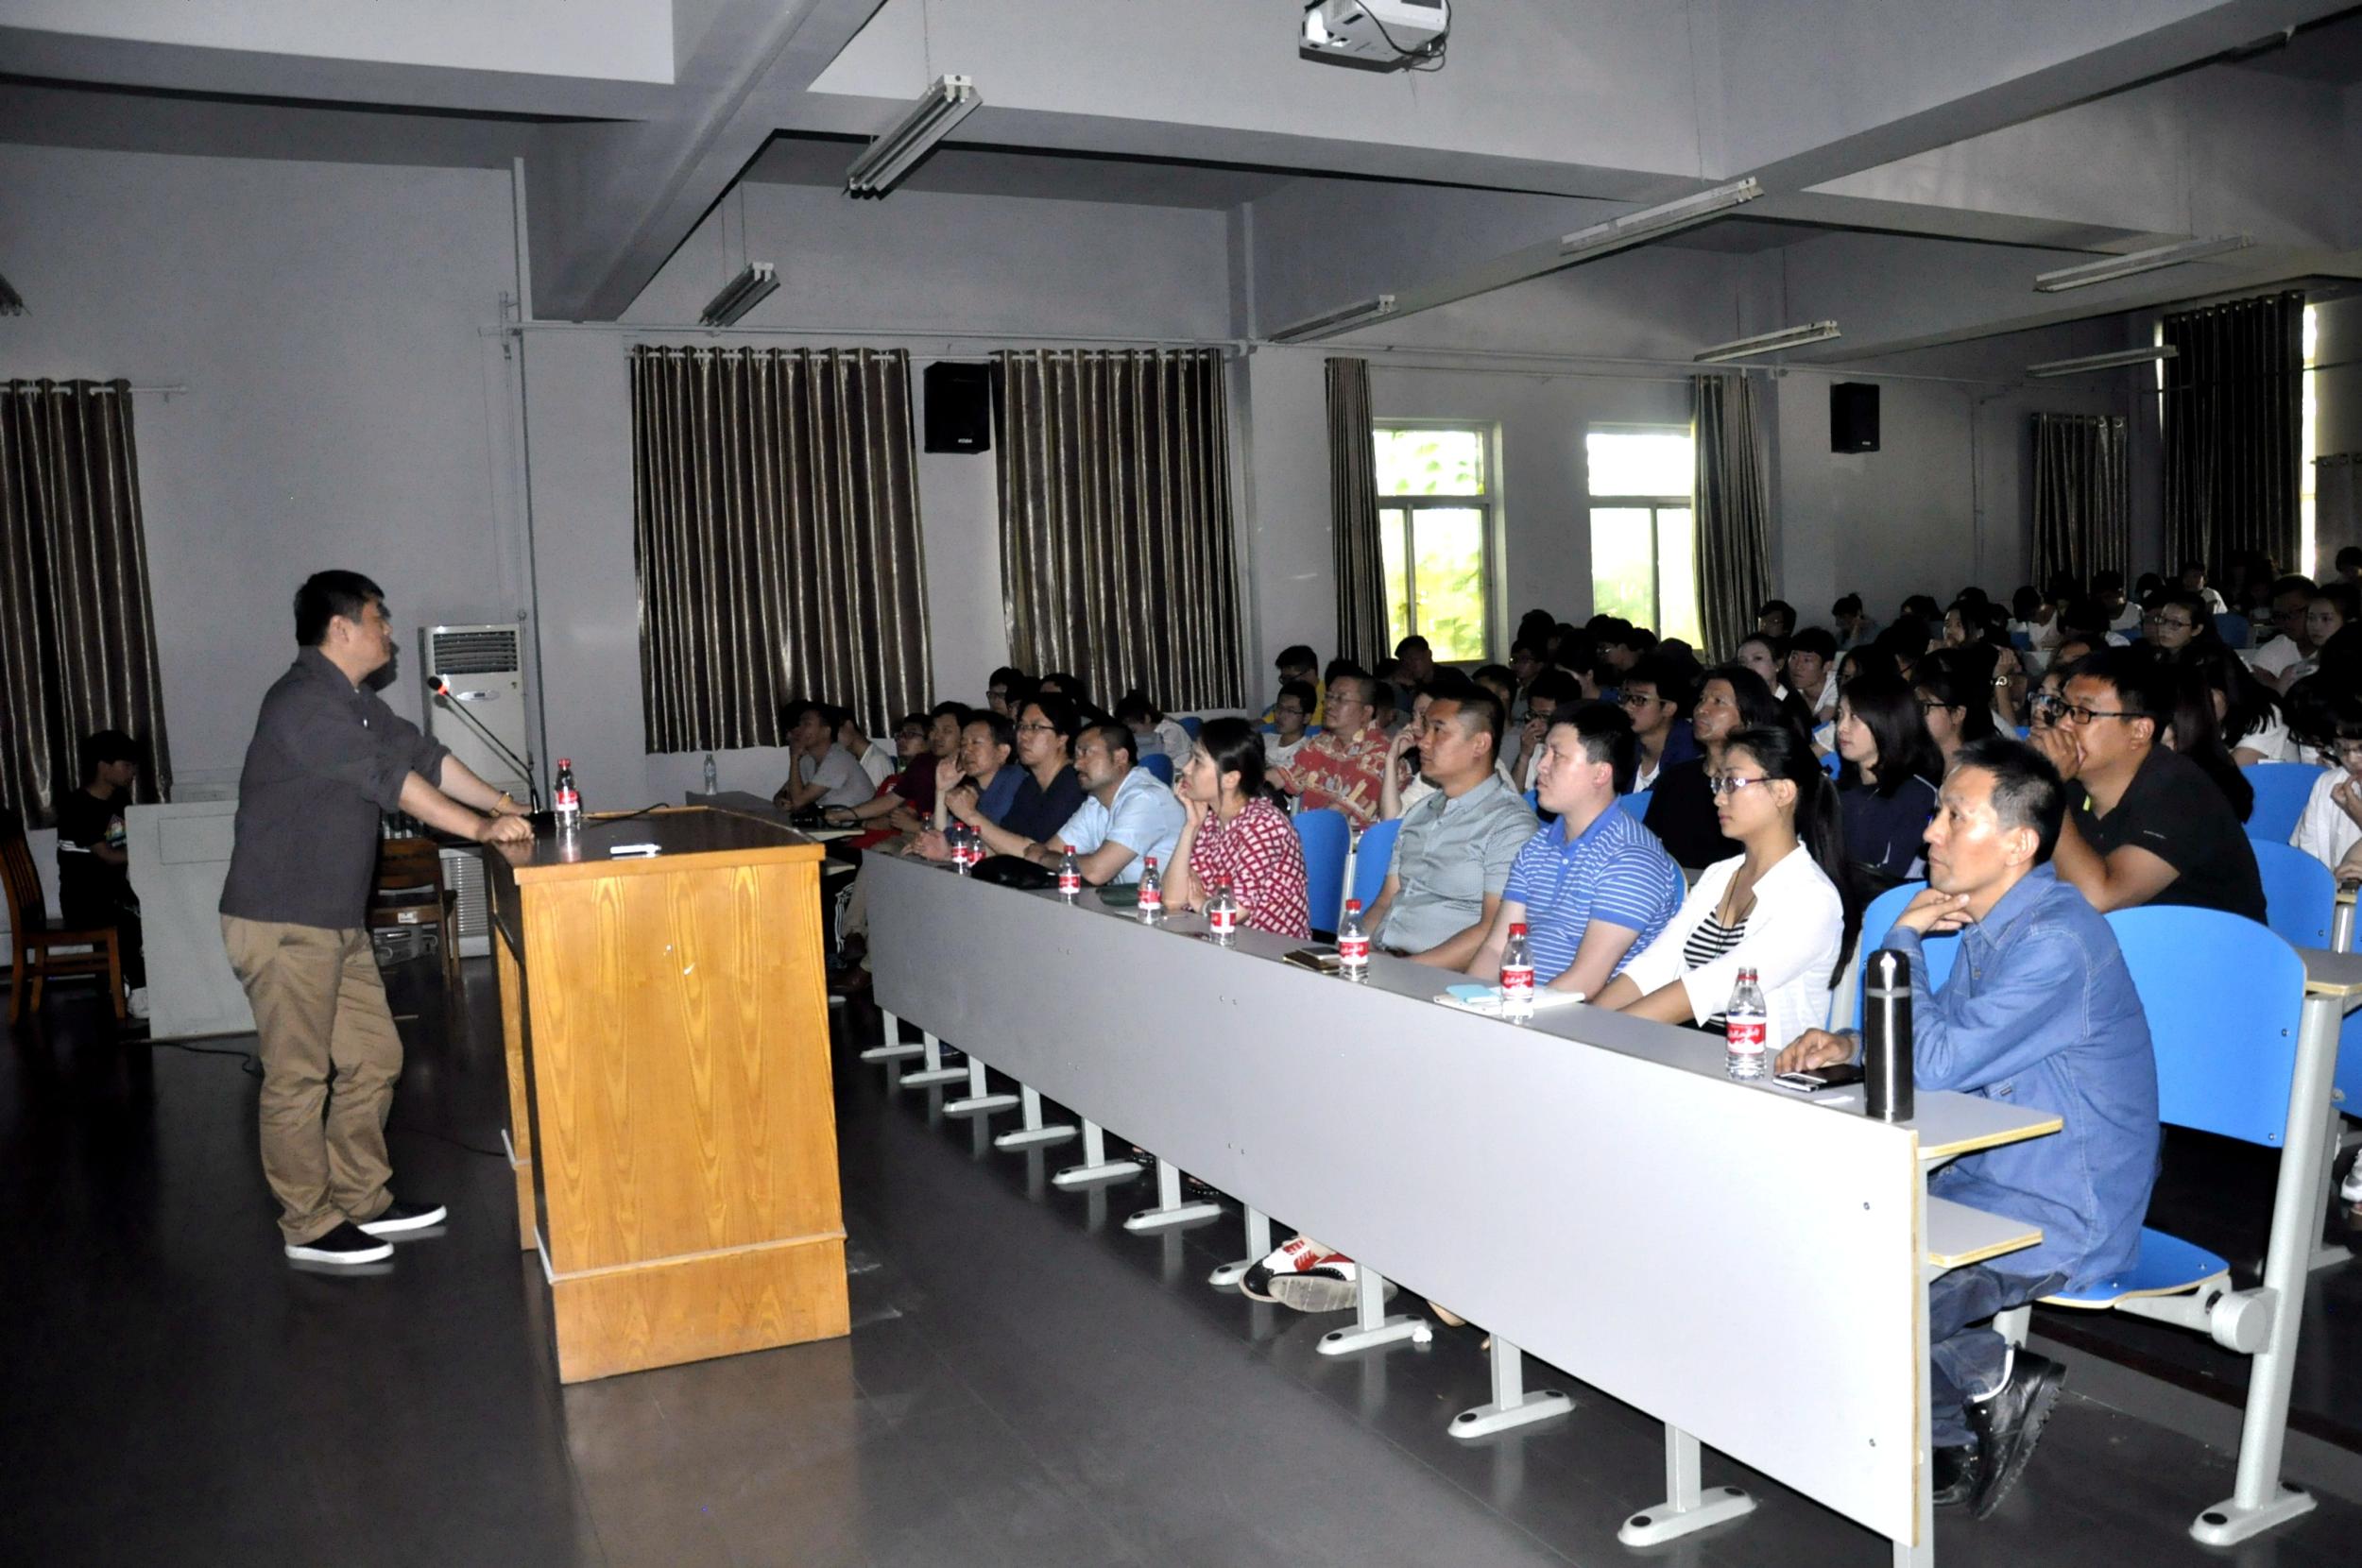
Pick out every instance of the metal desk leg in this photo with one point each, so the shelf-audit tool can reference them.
(895, 1048)
(1170, 1210)
(2328, 1255)
(1258, 1249)
(936, 1072)
(1096, 1166)
(1686, 1508)
(1512, 1407)
(2263, 1500)
(979, 1101)
(1371, 1327)
(1032, 1135)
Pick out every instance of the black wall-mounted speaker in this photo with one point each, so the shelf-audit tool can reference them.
(959, 406)
(1852, 415)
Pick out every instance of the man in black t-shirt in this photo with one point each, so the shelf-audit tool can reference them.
(94, 873)
(2143, 825)
(1048, 794)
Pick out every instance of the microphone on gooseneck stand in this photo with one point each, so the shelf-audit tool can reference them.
(441, 688)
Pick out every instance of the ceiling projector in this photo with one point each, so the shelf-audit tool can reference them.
(1376, 34)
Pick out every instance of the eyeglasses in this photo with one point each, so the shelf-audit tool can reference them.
(1929, 705)
(2167, 621)
(1289, 707)
(1000, 692)
(1731, 783)
(1637, 699)
(1038, 729)
(2078, 715)
(2343, 751)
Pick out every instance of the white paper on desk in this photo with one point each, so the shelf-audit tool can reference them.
(822, 835)
(1490, 1007)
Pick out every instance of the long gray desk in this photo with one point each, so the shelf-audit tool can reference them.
(1665, 1221)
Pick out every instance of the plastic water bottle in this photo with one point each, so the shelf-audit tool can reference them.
(1747, 1027)
(1151, 904)
(1353, 944)
(1222, 915)
(1070, 878)
(1518, 974)
(714, 776)
(956, 836)
(567, 801)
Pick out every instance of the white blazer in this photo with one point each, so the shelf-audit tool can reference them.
(1791, 944)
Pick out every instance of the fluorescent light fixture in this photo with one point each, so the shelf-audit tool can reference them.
(1765, 343)
(739, 295)
(2109, 268)
(876, 171)
(1337, 321)
(1651, 223)
(2104, 362)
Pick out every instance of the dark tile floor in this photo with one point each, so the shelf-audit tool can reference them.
(1025, 1383)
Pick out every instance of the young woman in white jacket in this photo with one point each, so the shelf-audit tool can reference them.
(1775, 909)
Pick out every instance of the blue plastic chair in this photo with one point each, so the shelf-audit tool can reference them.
(1160, 765)
(1637, 803)
(2280, 792)
(2223, 996)
(1324, 836)
(1371, 860)
(2233, 628)
(1830, 763)
(2300, 893)
(1878, 919)
(1191, 721)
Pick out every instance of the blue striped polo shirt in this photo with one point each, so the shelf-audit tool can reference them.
(1616, 871)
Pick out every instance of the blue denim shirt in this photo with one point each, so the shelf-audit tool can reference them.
(2039, 1011)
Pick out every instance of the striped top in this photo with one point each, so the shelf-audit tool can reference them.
(1710, 941)
(1613, 871)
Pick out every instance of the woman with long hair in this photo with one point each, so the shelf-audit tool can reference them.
(2254, 724)
(1954, 692)
(1731, 697)
(1236, 834)
(1886, 788)
(2197, 734)
(1779, 906)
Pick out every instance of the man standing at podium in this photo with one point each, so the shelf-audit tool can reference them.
(327, 756)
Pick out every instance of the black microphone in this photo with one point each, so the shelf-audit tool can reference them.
(441, 688)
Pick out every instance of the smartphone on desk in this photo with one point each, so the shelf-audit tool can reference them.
(1813, 1080)
(1321, 960)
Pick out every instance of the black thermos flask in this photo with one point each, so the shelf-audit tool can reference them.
(1886, 1036)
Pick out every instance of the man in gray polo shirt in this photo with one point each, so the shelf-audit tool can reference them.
(1452, 855)
(327, 756)
(825, 774)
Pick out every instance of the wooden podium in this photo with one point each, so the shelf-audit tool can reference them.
(670, 1123)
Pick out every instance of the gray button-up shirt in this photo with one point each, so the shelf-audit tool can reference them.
(1448, 857)
(326, 759)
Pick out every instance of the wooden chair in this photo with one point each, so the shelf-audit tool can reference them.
(410, 890)
(35, 951)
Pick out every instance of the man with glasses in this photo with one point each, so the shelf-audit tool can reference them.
(1657, 695)
(1048, 790)
(1297, 662)
(2144, 824)
(1007, 690)
(1125, 815)
(1343, 767)
(2291, 595)
(1551, 690)
(1298, 700)
(2173, 622)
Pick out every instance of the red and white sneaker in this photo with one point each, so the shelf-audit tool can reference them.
(1299, 1254)
(1332, 1283)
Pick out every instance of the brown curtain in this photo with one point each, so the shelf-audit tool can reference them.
(1734, 559)
(1117, 558)
(776, 525)
(1363, 631)
(2234, 420)
(77, 630)
(2082, 518)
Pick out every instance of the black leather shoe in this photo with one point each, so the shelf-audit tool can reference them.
(1955, 1475)
(2010, 1423)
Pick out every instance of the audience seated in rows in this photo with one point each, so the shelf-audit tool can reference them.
(1297, 662)
(1343, 767)
(1681, 804)
(824, 773)
(1155, 734)
(1126, 818)
(1658, 693)
(2040, 1010)
(876, 765)
(1886, 784)
(1290, 717)
(1452, 856)
(1237, 835)
(1047, 791)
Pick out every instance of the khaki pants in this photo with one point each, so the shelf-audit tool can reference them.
(319, 1007)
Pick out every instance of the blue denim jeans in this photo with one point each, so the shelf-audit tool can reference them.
(1968, 1355)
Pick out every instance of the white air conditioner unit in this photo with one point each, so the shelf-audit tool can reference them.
(485, 666)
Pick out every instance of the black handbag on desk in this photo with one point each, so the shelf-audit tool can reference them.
(1014, 871)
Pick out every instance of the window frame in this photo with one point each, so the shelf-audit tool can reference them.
(1485, 503)
(1653, 504)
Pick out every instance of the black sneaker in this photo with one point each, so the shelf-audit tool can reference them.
(2010, 1423)
(343, 1245)
(398, 1218)
(1955, 1475)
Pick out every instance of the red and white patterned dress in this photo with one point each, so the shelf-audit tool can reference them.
(1340, 773)
(1257, 853)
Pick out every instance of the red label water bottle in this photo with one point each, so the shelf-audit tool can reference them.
(565, 802)
(1222, 915)
(1070, 878)
(1518, 974)
(1746, 1030)
(1151, 904)
(1353, 943)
